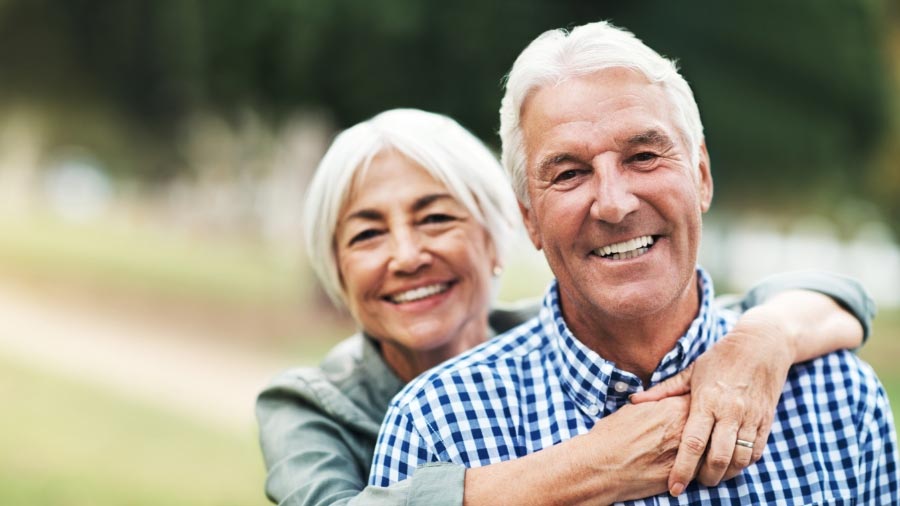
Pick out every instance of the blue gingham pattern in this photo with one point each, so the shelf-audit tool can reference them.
(833, 439)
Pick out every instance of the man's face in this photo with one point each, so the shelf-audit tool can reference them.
(615, 203)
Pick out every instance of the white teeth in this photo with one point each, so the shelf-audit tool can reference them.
(419, 293)
(626, 249)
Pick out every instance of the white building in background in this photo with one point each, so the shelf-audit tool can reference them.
(746, 250)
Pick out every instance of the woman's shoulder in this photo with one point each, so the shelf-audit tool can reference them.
(332, 388)
(352, 385)
(339, 364)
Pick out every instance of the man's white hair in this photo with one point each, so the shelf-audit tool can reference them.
(440, 145)
(557, 55)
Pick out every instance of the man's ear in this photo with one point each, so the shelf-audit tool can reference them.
(530, 225)
(706, 182)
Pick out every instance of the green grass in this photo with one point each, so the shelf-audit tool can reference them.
(66, 444)
(883, 352)
(155, 262)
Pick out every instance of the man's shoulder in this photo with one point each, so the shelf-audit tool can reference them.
(498, 358)
(840, 383)
(839, 366)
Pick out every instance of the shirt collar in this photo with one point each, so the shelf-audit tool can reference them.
(594, 383)
(382, 383)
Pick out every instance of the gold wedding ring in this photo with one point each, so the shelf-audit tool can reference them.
(745, 444)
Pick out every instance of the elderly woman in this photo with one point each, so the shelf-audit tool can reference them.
(406, 221)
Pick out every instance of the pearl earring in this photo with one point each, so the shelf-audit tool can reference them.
(497, 271)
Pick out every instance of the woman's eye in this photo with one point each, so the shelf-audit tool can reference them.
(364, 236)
(437, 218)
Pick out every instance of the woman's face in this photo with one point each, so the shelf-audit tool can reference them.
(415, 266)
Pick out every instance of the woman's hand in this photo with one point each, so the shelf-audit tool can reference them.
(735, 387)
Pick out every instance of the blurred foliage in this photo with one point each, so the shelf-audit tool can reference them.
(795, 96)
(153, 262)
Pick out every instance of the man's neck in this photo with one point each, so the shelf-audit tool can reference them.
(636, 345)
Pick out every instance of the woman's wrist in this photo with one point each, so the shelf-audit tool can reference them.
(771, 327)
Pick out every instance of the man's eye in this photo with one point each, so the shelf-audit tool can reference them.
(645, 156)
(365, 235)
(566, 175)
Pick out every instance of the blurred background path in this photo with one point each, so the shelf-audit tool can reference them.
(154, 362)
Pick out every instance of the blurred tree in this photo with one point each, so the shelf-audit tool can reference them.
(794, 95)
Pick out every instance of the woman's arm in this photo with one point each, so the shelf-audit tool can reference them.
(736, 385)
(845, 291)
(626, 455)
(313, 459)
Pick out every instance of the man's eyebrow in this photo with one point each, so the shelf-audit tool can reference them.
(652, 137)
(551, 160)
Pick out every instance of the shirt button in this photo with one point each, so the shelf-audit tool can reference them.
(620, 387)
(593, 409)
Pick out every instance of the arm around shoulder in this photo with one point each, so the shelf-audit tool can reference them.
(848, 293)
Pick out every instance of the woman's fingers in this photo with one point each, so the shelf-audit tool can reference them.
(744, 447)
(720, 454)
(679, 384)
(762, 438)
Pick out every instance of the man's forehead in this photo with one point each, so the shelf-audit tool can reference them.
(613, 107)
(631, 131)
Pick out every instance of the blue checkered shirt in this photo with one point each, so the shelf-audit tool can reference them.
(832, 441)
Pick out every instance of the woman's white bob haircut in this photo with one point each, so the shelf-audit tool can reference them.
(557, 55)
(440, 145)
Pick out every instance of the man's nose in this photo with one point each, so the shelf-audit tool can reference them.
(613, 195)
(408, 252)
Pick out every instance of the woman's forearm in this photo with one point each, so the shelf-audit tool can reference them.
(814, 323)
(626, 455)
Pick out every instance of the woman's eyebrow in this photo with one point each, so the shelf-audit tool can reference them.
(426, 200)
(364, 214)
(419, 204)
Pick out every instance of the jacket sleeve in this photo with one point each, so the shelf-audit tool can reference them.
(312, 460)
(847, 292)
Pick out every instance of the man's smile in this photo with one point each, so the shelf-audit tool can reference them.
(626, 249)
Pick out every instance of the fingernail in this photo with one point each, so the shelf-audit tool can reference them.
(630, 401)
(676, 489)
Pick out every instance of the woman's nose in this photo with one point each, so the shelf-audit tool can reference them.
(408, 253)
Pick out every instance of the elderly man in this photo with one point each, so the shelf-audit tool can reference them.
(604, 145)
